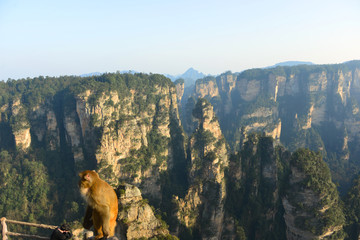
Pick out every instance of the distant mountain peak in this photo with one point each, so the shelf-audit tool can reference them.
(191, 69)
(193, 72)
(189, 76)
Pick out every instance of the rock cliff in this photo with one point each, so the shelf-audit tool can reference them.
(295, 105)
(128, 135)
(126, 126)
(311, 203)
(136, 218)
(255, 185)
(20, 125)
(180, 88)
(203, 206)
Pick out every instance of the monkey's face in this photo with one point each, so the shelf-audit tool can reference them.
(85, 183)
(85, 179)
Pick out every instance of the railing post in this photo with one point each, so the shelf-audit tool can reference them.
(4, 228)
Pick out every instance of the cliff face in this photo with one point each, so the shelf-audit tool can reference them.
(180, 88)
(295, 105)
(254, 183)
(258, 97)
(239, 104)
(125, 126)
(22, 126)
(128, 136)
(311, 203)
(203, 206)
(136, 218)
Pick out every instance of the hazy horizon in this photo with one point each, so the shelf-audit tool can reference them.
(53, 38)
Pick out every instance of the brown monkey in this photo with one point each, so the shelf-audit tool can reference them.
(102, 203)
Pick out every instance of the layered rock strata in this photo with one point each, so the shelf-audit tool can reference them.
(136, 218)
(203, 206)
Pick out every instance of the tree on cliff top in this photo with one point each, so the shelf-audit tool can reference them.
(324, 213)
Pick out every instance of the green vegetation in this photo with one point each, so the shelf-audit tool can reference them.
(144, 157)
(28, 189)
(179, 81)
(203, 137)
(206, 80)
(352, 210)
(47, 180)
(255, 196)
(198, 111)
(317, 178)
(317, 173)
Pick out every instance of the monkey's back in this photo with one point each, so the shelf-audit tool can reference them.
(104, 195)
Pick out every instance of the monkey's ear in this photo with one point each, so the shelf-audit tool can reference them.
(81, 174)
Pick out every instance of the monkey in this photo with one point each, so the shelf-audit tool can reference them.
(102, 208)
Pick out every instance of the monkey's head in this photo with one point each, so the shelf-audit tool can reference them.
(87, 179)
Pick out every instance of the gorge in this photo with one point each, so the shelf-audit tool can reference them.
(259, 154)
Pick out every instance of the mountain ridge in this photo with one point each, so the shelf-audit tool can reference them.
(290, 64)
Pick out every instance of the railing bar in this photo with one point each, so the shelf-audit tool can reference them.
(26, 235)
(31, 224)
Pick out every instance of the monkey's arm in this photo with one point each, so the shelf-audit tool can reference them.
(88, 221)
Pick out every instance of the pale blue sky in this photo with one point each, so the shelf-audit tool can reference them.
(68, 37)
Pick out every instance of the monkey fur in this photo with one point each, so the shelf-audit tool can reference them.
(102, 201)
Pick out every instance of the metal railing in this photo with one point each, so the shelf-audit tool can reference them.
(6, 233)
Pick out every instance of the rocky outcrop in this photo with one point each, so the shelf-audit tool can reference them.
(207, 88)
(44, 125)
(136, 218)
(254, 184)
(311, 203)
(188, 208)
(20, 125)
(212, 88)
(73, 136)
(248, 88)
(203, 206)
(26, 124)
(22, 138)
(180, 87)
(52, 131)
(82, 233)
